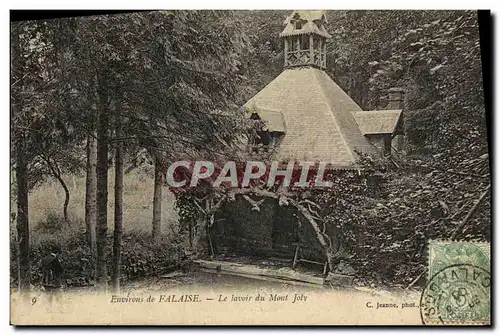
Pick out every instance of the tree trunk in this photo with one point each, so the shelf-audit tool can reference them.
(56, 172)
(330, 254)
(470, 213)
(117, 234)
(23, 237)
(66, 196)
(157, 199)
(22, 223)
(90, 197)
(102, 192)
(66, 200)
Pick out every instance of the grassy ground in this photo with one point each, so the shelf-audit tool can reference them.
(48, 198)
(141, 257)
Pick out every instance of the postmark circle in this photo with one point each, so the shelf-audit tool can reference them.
(457, 294)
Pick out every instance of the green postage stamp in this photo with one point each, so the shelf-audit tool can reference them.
(458, 290)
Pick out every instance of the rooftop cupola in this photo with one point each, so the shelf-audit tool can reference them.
(305, 39)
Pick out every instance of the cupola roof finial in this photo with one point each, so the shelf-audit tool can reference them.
(305, 22)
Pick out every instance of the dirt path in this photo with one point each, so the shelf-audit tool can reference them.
(198, 280)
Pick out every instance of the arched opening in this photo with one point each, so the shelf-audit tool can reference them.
(254, 226)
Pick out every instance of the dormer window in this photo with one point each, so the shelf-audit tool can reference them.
(267, 141)
(268, 137)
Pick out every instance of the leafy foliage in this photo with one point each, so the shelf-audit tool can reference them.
(141, 257)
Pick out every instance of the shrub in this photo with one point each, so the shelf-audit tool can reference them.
(52, 224)
(140, 256)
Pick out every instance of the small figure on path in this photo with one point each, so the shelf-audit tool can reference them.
(51, 272)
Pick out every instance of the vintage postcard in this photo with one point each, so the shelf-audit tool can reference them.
(220, 167)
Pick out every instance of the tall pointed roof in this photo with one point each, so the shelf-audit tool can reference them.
(317, 115)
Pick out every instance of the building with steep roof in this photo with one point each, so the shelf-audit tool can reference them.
(307, 115)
